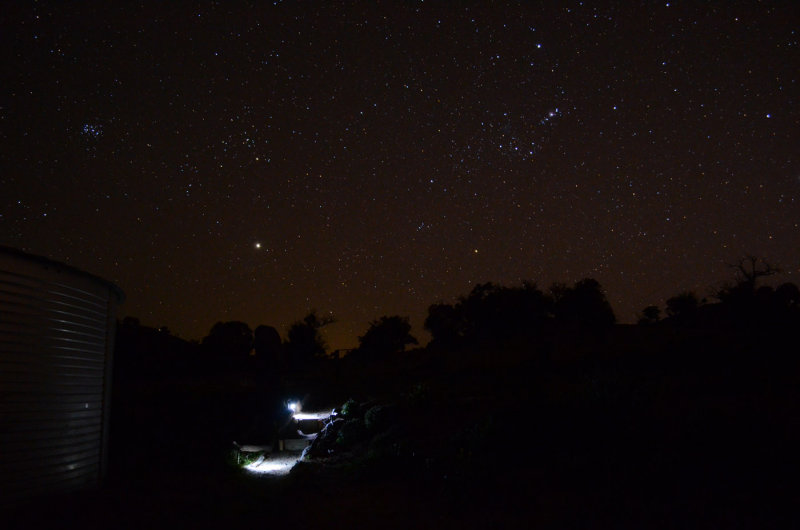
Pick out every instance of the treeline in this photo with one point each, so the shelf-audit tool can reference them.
(742, 303)
(557, 350)
(489, 316)
(494, 315)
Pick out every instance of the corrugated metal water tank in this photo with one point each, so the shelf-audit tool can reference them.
(56, 340)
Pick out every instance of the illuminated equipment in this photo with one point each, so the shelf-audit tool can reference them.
(287, 455)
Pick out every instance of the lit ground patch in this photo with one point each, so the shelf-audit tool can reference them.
(274, 464)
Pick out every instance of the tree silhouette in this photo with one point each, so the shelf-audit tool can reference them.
(444, 324)
(748, 271)
(305, 342)
(490, 314)
(267, 342)
(269, 350)
(745, 303)
(233, 340)
(386, 336)
(143, 351)
(498, 314)
(482, 311)
(583, 305)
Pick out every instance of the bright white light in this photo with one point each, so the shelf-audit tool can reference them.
(292, 406)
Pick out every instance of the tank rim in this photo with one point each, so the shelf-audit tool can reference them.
(62, 267)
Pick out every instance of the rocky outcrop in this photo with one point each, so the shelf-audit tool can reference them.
(325, 442)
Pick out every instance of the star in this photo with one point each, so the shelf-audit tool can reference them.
(363, 152)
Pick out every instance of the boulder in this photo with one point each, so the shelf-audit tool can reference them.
(325, 442)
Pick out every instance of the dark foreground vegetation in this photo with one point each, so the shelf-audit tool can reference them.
(528, 409)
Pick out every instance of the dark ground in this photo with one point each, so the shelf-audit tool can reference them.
(682, 439)
(562, 493)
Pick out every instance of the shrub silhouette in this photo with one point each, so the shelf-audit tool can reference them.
(650, 315)
(787, 296)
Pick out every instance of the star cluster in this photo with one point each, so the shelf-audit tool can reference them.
(251, 161)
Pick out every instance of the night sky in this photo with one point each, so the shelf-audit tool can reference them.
(230, 161)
